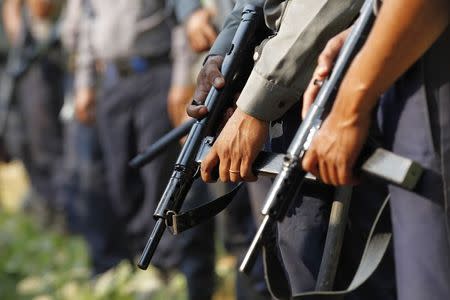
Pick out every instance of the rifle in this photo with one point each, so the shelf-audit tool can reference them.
(155, 149)
(20, 58)
(378, 163)
(235, 71)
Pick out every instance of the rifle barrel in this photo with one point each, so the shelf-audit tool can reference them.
(162, 144)
(152, 244)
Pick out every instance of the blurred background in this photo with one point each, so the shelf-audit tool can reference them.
(41, 263)
(73, 217)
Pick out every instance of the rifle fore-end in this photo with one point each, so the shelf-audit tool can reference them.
(380, 164)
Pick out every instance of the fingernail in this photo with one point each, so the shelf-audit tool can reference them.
(218, 81)
(323, 69)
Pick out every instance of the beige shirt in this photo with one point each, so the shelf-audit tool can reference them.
(287, 61)
(108, 30)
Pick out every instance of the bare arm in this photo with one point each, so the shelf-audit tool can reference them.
(85, 73)
(402, 33)
(11, 13)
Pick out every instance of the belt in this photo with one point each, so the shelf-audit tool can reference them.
(137, 64)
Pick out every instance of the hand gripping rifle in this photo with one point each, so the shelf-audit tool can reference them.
(289, 181)
(235, 69)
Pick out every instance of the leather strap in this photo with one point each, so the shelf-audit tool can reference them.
(184, 220)
(374, 251)
(179, 222)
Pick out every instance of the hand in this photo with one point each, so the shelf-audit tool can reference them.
(85, 106)
(209, 75)
(336, 146)
(200, 31)
(236, 148)
(178, 99)
(42, 9)
(324, 66)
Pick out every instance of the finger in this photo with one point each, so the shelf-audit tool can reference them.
(224, 168)
(207, 76)
(333, 175)
(201, 92)
(328, 56)
(209, 163)
(323, 71)
(247, 171)
(345, 176)
(345, 173)
(310, 162)
(324, 172)
(313, 89)
(308, 97)
(214, 76)
(325, 62)
(197, 111)
(235, 170)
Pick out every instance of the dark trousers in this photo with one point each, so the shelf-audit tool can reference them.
(302, 234)
(88, 205)
(241, 221)
(132, 113)
(35, 134)
(415, 119)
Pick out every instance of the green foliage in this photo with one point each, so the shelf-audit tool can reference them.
(41, 265)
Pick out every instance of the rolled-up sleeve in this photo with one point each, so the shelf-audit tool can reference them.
(223, 41)
(287, 61)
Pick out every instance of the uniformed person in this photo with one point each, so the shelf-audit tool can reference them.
(88, 205)
(242, 216)
(128, 46)
(279, 78)
(35, 136)
(406, 58)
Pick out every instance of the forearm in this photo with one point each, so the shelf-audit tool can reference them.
(85, 73)
(402, 33)
(11, 13)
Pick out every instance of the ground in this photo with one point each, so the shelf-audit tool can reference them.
(46, 264)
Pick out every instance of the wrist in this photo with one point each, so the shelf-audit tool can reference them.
(243, 114)
(354, 101)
